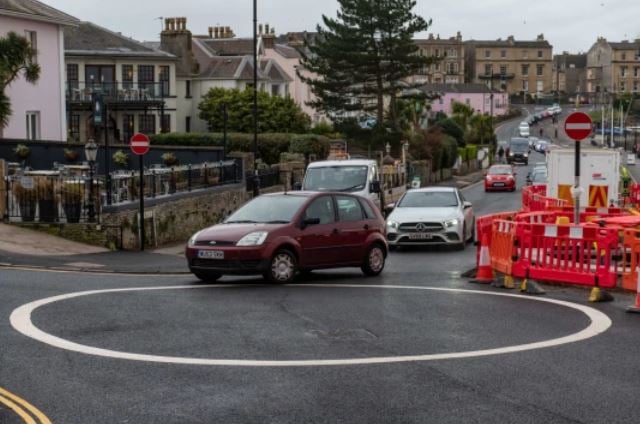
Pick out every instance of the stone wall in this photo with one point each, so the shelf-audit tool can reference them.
(3, 188)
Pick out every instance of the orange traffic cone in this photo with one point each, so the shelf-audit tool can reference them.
(484, 275)
(636, 307)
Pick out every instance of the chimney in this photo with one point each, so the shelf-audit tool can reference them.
(540, 37)
(259, 29)
(511, 39)
(266, 28)
(210, 32)
(269, 37)
(459, 36)
(230, 33)
(176, 39)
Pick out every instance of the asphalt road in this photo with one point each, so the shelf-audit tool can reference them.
(339, 348)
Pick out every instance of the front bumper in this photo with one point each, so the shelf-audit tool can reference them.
(448, 236)
(236, 261)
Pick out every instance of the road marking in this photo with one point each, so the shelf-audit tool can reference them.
(21, 321)
(22, 407)
(31, 268)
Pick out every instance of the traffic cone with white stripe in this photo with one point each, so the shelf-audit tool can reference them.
(484, 274)
(635, 309)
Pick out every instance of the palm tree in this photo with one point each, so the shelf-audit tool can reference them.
(15, 58)
(462, 113)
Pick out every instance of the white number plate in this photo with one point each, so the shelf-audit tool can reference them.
(420, 236)
(498, 184)
(211, 254)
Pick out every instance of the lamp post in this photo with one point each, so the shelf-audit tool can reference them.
(225, 120)
(256, 177)
(91, 153)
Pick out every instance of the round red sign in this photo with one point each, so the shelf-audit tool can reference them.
(578, 126)
(139, 144)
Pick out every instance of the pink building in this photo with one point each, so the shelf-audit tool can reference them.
(478, 96)
(38, 110)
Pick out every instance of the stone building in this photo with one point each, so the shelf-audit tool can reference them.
(613, 67)
(570, 74)
(450, 66)
(518, 67)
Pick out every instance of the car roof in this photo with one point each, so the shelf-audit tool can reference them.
(436, 189)
(349, 162)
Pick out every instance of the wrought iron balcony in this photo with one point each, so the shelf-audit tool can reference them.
(117, 92)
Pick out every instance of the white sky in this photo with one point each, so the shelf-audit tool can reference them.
(571, 25)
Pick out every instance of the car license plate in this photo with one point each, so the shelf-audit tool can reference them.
(210, 254)
(420, 236)
(498, 184)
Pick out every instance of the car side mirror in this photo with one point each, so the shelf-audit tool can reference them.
(468, 205)
(308, 222)
(297, 186)
(375, 187)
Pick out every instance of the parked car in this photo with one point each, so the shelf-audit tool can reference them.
(433, 215)
(541, 146)
(500, 178)
(523, 129)
(279, 235)
(538, 176)
(532, 142)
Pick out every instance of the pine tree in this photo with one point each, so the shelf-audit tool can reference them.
(15, 58)
(364, 56)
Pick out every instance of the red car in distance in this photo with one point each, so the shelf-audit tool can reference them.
(280, 235)
(500, 178)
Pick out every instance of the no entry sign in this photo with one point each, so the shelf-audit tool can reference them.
(139, 144)
(578, 126)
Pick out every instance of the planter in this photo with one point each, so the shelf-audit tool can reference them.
(73, 211)
(48, 210)
(27, 210)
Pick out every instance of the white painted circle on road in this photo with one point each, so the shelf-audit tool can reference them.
(21, 321)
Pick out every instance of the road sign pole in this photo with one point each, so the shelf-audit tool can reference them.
(576, 207)
(141, 194)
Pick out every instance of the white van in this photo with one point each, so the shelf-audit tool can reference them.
(357, 176)
(523, 129)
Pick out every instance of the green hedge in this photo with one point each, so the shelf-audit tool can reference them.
(270, 145)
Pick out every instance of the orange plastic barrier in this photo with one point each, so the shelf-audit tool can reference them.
(484, 226)
(527, 195)
(631, 256)
(502, 246)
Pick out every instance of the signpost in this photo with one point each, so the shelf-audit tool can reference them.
(577, 126)
(139, 145)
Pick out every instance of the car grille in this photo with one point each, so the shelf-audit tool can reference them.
(223, 264)
(216, 243)
(428, 227)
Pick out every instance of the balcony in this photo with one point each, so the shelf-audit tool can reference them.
(113, 93)
(497, 76)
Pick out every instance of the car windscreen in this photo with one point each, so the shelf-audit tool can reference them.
(519, 146)
(539, 177)
(500, 170)
(429, 199)
(278, 209)
(336, 178)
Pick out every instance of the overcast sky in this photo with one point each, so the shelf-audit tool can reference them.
(571, 25)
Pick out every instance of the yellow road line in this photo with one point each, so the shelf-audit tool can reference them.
(29, 407)
(25, 417)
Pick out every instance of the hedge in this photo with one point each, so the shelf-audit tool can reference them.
(270, 145)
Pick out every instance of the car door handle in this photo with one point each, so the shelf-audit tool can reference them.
(366, 226)
(336, 231)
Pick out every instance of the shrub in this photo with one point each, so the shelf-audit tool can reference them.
(451, 128)
(70, 155)
(120, 158)
(449, 152)
(22, 151)
(169, 159)
(310, 144)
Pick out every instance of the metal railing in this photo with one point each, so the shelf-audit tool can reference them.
(163, 182)
(125, 92)
(50, 198)
(268, 178)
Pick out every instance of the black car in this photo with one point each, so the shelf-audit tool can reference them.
(518, 151)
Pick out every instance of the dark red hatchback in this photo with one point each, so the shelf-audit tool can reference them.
(279, 235)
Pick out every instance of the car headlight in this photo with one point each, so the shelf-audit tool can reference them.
(526, 155)
(452, 222)
(511, 154)
(392, 225)
(194, 239)
(253, 239)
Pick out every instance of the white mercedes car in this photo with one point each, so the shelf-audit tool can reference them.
(432, 215)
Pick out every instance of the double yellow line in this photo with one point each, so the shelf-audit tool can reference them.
(29, 413)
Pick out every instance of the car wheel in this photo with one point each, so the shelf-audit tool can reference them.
(472, 236)
(282, 268)
(374, 260)
(207, 277)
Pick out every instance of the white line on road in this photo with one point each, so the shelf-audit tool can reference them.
(21, 321)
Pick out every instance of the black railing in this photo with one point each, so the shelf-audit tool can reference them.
(50, 198)
(269, 178)
(162, 182)
(122, 92)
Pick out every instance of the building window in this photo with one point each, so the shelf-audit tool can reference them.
(525, 54)
(147, 124)
(539, 70)
(33, 125)
(188, 90)
(525, 70)
(286, 90)
(128, 127)
(540, 54)
(453, 53)
(624, 56)
(635, 86)
(623, 86)
(32, 38)
(503, 69)
(127, 77)
(539, 86)
(503, 53)
(165, 124)
(437, 54)
(525, 85)
(74, 127)
(275, 89)
(487, 53)
(467, 101)
(187, 124)
(73, 86)
(452, 68)
(437, 67)
(145, 77)
(488, 69)
(636, 72)
(623, 71)
(165, 77)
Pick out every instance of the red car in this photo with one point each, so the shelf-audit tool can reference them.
(279, 235)
(500, 178)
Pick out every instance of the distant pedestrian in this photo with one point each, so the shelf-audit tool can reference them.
(500, 154)
(556, 132)
(541, 132)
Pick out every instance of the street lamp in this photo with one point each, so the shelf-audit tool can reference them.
(225, 120)
(91, 153)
